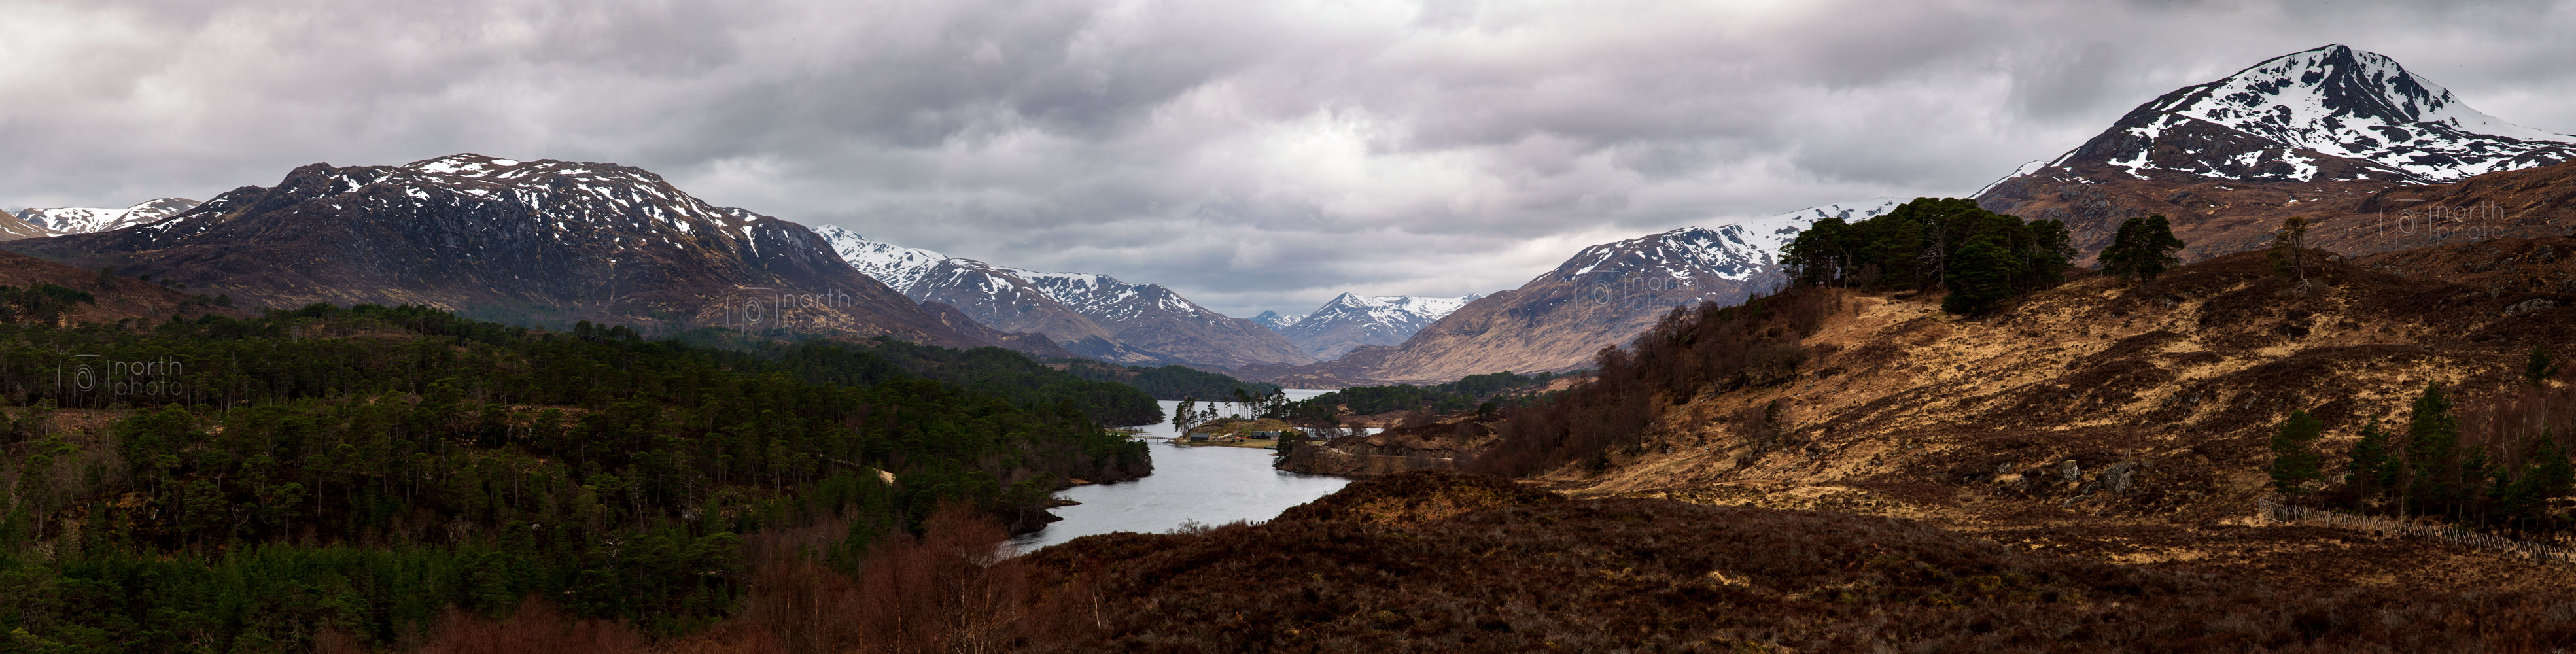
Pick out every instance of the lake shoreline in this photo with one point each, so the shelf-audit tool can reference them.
(1191, 483)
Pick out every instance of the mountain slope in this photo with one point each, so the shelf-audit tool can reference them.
(75, 220)
(546, 241)
(1094, 316)
(2301, 134)
(11, 228)
(109, 298)
(1350, 321)
(1602, 296)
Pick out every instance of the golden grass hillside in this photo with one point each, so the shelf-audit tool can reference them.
(2126, 419)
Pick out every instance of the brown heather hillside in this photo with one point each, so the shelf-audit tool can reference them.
(1424, 562)
(119, 298)
(2121, 422)
(2181, 377)
(2358, 217)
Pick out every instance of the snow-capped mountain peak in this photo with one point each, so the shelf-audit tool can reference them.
(1735, 252)
(1275, 321)
(1350, 320)
(565, 201)
(1389, 307)
(2324, 114)
(80, 220)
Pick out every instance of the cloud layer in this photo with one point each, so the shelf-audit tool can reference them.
(1249, 155)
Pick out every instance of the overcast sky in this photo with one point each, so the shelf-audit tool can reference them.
(1249, 155)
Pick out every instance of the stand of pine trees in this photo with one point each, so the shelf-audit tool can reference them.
(2501, 474)
(1981, 257)
(1467, 393)
(360, 470)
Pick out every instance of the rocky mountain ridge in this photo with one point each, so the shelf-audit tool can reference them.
(1095, 316)
(541, 242)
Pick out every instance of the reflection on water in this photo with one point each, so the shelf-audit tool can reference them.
(1207, 485)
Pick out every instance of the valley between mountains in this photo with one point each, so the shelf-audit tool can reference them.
(480, 404)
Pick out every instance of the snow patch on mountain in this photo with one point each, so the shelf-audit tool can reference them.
(82, 220)
(901, 268)
(1110, 301)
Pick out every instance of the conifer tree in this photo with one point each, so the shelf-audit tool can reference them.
(2547, 470)
(2294, 457)
(2161, 251)
(2051, 250)
(2432, 452)
(2119, 259)
(1981, 276)
(2372, 470)
(2142, 248)
(2538, 366)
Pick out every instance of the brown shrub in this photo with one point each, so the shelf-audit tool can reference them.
(951, 589)
(535, 627)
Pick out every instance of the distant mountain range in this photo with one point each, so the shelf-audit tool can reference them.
(1603, 295)
(1095, 316)
(545, 242)
(1349, 321)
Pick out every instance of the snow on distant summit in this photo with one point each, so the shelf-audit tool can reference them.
(1273, 320)
(1349, 321)
(1096, 316)
(81, 220)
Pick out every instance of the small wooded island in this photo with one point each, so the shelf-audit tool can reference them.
(1240, 432)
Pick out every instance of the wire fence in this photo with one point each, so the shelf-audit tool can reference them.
(2539, 552)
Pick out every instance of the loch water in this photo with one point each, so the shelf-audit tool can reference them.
(1204, 485)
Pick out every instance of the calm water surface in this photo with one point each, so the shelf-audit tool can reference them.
(1208, 485)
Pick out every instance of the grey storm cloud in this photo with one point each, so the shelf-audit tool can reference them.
(1249, 155)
